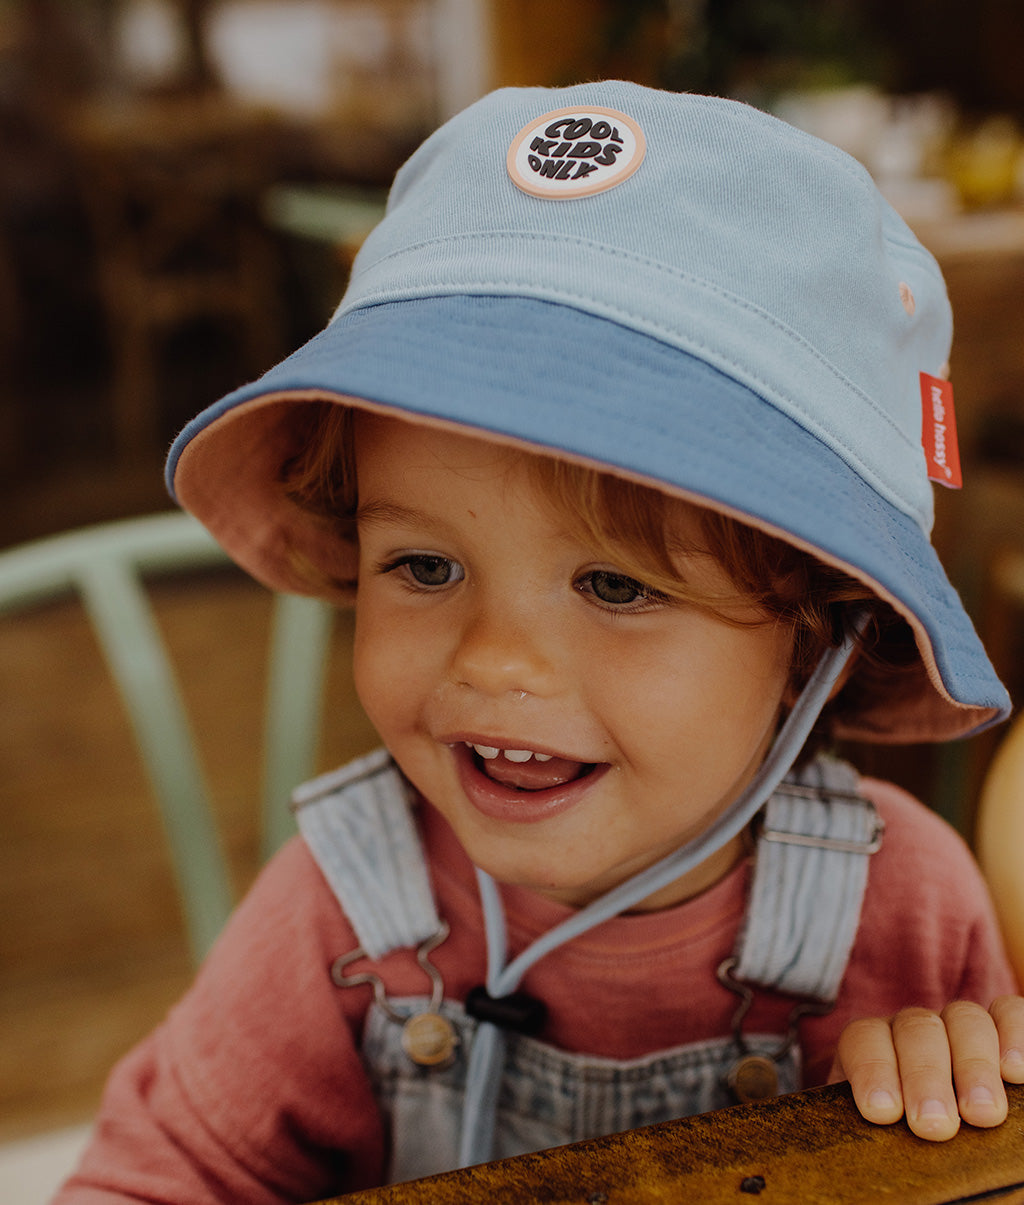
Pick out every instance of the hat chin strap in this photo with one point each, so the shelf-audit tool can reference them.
(487, 1053)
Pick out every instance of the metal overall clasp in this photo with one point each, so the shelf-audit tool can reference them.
(428, 1038)
(752, 1076)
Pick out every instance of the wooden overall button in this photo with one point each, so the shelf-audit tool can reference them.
(429, 1039)
(754, 1077)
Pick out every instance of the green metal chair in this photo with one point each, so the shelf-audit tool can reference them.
(106, 566)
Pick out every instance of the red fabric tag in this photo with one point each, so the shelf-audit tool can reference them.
(938, 432)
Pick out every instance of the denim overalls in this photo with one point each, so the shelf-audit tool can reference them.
(803, 911)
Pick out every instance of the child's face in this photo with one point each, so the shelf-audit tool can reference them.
(483, 623)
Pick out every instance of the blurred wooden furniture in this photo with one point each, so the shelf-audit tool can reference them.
(172, 187)
(1004, 601)
(810, 1148)
(341, 217)
(10, 315)
(107, 566)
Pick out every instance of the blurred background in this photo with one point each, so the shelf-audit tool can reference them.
(183, 184)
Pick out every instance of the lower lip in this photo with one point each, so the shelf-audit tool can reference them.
(508, 805)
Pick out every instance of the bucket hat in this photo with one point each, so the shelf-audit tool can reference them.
(678, 289)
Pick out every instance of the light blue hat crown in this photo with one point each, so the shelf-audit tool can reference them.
(677, 288)
(740, 240)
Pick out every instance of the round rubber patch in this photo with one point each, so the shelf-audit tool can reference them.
(575, 152)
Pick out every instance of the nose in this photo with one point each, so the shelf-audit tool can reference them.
(503, 649)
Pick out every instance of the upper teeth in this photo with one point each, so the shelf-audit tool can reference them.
(488, 752)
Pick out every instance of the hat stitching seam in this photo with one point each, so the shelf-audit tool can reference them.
(621, 253)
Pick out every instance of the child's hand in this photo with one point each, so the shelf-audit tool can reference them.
(911, 1062)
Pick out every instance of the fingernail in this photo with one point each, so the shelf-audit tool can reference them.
(1013, 1058)
(981, 1097)
(932, 1110)
(881, 1101)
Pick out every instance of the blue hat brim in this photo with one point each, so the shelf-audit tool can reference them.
(555, 378)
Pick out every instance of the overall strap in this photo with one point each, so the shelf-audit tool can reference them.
(358, 823)
(810, 870)
(810, 873)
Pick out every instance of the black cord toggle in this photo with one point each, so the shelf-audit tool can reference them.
(518, 1012)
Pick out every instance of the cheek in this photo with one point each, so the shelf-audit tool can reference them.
(755, 672)
(721, 693)
(375, 667)
(754, 691)
(395, 666)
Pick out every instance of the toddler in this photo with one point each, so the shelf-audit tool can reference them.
(615, 443)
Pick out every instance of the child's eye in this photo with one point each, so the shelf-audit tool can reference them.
(617, 590)
(427, 569)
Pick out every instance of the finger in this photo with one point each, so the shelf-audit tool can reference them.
(1008, 1014)
(836, 1073)
(974, 1046)
(926, 1073)
(867, 1058)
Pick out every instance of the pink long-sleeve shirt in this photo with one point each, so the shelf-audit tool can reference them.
(253, 1090)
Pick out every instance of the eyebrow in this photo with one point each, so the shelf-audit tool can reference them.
(391, 512)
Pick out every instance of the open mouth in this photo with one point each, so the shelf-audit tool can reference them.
(526, 770)
(520, 786)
